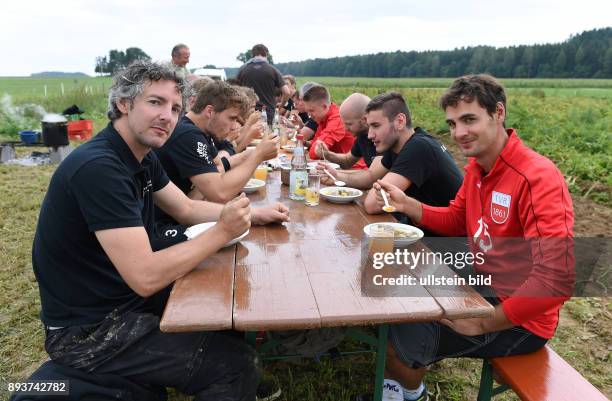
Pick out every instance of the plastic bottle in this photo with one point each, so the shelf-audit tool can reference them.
(298, 177)
(264, 120)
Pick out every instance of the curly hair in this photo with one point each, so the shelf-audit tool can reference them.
(130, 82)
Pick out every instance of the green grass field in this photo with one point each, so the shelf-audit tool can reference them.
(567, 120)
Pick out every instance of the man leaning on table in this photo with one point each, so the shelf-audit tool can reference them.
(353, 115)
(330, 129)
(189, 156)
(102, 286)
(514, 207)
(411, 159)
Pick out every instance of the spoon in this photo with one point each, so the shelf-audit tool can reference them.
(337, 183)
(387, 208)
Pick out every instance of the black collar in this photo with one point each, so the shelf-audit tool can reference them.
(123, 150)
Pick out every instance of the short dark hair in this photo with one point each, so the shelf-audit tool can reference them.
(260, 50)
(483, 87)
(316, 93)
(130, 82)
(177, 49)
(221, 96)
(391, 104)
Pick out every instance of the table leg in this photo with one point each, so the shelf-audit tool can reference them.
(251, 338)
(381, 354)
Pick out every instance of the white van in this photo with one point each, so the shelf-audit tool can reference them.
(214, 73)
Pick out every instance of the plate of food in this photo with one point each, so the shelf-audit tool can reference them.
(314, 164)
(403, 234)
(198, 229)
(253, 185)
(340, 195)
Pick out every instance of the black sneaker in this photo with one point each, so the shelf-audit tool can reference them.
(268, 390)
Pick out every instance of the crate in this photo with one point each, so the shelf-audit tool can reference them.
(80, 130)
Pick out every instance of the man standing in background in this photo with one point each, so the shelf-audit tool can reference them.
(180, 58)
(259, 74)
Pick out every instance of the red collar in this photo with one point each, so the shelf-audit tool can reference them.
(514, 142)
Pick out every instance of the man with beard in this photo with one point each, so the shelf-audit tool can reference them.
(412, 160)
(352, 113)
(102, 285)
(515, 209)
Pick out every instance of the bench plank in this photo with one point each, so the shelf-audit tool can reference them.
(545, 376)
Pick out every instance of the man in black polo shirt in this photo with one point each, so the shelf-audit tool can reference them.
(352, 113)
(102, 286)
(189, 155)
(257, 73)
(412, 160)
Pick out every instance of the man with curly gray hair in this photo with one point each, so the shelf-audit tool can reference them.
(104, 280)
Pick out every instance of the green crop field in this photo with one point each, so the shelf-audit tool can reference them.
(569, 121)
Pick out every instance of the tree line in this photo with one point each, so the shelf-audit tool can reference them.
(586, 55)
(119, 59)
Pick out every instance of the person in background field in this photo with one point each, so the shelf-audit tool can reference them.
(352, 112)
(180, 58)
(330, 129)
(103, 287)
(411, 159)
(509, 192)
(259, 74)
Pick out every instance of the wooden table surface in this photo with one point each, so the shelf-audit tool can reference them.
(303, 274)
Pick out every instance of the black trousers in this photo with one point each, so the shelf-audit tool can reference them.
(215, 366)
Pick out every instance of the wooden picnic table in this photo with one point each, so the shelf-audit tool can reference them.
(302, 274)
(307, 273)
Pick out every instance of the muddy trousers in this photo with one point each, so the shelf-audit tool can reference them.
(217, 366)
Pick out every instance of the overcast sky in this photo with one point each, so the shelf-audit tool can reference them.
(62, 35)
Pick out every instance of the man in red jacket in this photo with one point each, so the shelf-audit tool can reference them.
(330, 128)
(515, 208)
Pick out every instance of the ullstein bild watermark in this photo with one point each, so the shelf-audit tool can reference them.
(525, 267)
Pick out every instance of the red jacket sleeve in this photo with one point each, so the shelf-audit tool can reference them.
(333, 133)
(448, 221)
(547, 218)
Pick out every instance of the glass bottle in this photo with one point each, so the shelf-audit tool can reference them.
(298, 177)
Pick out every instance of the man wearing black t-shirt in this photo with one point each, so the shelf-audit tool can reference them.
(264, 78)
(189, 155)
(102, 286)
(352, 113)
(412, 160)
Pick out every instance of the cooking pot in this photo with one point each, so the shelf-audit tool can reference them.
(54, 130)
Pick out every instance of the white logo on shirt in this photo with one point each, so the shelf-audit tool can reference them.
(203, 151)
(147, 188)
(482, 238)
(500, 207)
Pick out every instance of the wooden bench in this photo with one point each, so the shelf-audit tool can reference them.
(540, 376)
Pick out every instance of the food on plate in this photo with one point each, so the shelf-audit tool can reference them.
(398, 233)
(342, 193)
